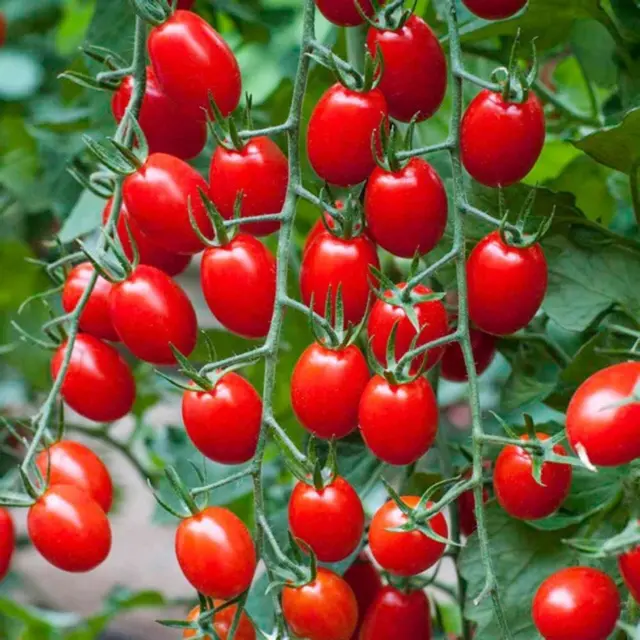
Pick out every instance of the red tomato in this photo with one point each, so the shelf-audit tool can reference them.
(452, 365)
(432, 319)
(98, 384)
(7, 540)
(3, 29)
(395, 614)
(516, 489)
(222, 622)
(191, 60)
(341, 129)
(216, 553)
(94, 318)
(166, 127)
(405, 553)
(365, 583)
(186, 5)
(157, 198)
(319, 228)
(150, 311)
(506, 285)
(578, 602)
(239, 284)
(629, 566)
(321, 373)
(69, 529)
(344, 12)
(501, 141)
(260, 171)
(494, 9)
(467, 507)
(599, 419)
(224, 423)
(330, 521)
(73, 463)
(325, 609)
(414, 79)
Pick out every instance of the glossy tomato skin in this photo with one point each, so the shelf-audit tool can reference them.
(629, 566)
(222, 622)
(98, 384)
(94, 318)
(157, 198)
(501, 141)
(330, 521)
(7, 542)
(395, 614)
(483, 346)
(341, 129)
(216, 553)
(609, 433)
(365, 583)
(224, 422)
(414, 79)
(325, 609)
(191, 60)
(239, 284)
(344, 12)
(166, 127)
(260, 171)
(405, 553)
(506, 285)
(321, 373)
(577, 602)
(516, 489)
(69, 529)
(494, 9)
(72, 463)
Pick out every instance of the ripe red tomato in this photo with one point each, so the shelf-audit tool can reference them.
(395, 614)
(166, 127)
(414, 79)
(629, 566)
(406, 210)
(157, 198)
(342, 375)
(452, 365)
(466, 508)
(494, 9)
(330, 521)
(3, 29)
(319, 228)
(185, 5)
(260, 171)
(69, 529)
(432, 319)
(344, 12)
(222, 622)
(332, 262)
(239, 284)
(216, 553)
(341, 129)
(516, 489)
(98, 384)
(405, 553)
(506, 285)
(501, 141)
(224, 423)
(7, 541)
(325, 609)
(365, 583)
(577, 602)
(150, 311)
(191, 60)
(94, 318)
(73, 463)
(599, 420)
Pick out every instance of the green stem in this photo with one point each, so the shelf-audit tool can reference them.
(356, 39)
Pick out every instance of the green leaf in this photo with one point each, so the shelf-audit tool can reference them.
(84, 217)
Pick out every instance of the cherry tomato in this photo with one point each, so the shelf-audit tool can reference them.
(330, 521)
(166, 184)
(319, 228)
(150, 311)
(7, 542)
(216, 553)
(466, 508)
(600, 421)
(494, 9)
(325, 609)
(222, 622)
(516, 489)
(166, 127)
(414, 79)
(94, 318)
(191, 60)
(3, 29)
(239, 284)
(73, 463)
(186, 5)
(342, 375)
(260, 171)
(344, 12)
(577, 602)
(506, 285)
(341, 129)
(405, 553)
(629, 566)
(224, 422)
(365, 583)
(501, 141)
(98, 384)
(69, 529)
(395, 614)
(452, 365)
(432, 320)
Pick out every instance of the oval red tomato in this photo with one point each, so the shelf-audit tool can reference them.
(222, 622)
(7, 542)
(365, 583)
(629, 566)
(344, 12)
(452, 365)
(494, 9)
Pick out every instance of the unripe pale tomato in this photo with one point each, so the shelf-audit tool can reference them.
(222, 622)
(452, 365)
(365, 583)
(7, 542)
(494, 9)
(344, 12)
(629, 566)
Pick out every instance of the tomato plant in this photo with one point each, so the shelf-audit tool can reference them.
(365, 583)
(7, 542)
(345, 14)
(222, 622)
(452, 366)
